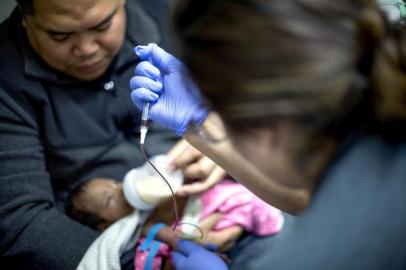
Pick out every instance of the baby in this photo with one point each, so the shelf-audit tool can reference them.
(223, 213)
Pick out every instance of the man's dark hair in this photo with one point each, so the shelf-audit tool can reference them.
(26, 7)
(75, 211)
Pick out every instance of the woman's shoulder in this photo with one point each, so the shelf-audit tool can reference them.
(368, 180)
(376, 156)
(358, 208)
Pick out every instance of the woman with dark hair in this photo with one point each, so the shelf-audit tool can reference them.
(312, 95)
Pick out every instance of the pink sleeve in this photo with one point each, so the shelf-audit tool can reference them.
(241, 207)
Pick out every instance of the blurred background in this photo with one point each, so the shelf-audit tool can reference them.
(6, 6)
(389, 6)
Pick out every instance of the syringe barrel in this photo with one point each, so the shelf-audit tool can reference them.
(145, 112)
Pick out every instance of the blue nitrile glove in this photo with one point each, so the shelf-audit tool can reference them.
(162, 80)
(192, 256)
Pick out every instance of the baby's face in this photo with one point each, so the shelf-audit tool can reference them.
(105, 197)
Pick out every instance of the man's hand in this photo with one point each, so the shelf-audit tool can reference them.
(200, 172)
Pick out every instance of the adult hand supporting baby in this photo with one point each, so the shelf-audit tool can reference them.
(195, 166)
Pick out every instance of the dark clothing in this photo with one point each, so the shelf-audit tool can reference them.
(56, 132)
(356, 220)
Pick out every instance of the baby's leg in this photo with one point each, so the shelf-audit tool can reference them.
(224, 239)
(208, 223)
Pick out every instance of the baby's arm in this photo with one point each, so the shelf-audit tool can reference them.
(164, 213)
(168, 235)
(224, 239)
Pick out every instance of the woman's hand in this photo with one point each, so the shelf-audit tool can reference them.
(162, 80)
(200, 172)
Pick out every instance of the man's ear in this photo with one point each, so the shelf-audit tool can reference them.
(102, 226)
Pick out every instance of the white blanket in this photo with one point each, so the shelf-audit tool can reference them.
(393, 9)
(105, 251)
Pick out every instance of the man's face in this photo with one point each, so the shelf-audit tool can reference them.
(77, 37)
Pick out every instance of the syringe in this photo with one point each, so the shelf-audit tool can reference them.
(144, 122)
(145, 110)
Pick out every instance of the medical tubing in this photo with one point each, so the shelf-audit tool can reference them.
(175, 205)
(143, 131)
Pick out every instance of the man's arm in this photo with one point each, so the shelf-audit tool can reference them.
(33, 233)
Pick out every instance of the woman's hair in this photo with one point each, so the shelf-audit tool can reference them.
(26, 7)
(327, 66)
(76, 210)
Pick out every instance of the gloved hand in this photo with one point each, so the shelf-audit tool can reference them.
(162, 80)
(192, 256)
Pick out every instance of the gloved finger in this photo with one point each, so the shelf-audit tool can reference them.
(159, 58)
(187, 247)
(144, 82)
(143, 51)
(146, 69)
(141, 95)
(163, 60)
(178, 259)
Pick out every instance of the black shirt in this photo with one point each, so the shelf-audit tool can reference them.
(56, 132)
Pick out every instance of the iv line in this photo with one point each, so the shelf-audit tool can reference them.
(144, 122)
(175, 205)
(143, 133)
(145, 114)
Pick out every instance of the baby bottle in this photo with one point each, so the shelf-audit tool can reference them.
(143, 187)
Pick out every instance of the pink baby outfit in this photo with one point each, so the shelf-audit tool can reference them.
(238, 205)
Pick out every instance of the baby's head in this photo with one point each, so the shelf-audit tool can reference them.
(98, 203)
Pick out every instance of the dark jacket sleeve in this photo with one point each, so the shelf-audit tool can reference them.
(33, 233)
(159, 140)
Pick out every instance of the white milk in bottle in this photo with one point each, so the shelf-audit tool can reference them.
(143, 187)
